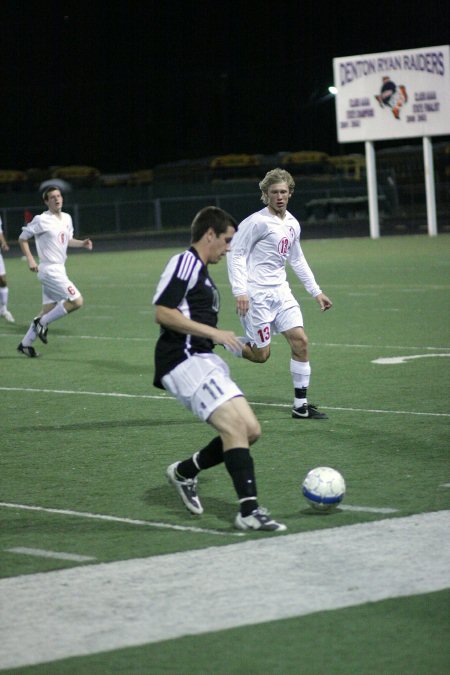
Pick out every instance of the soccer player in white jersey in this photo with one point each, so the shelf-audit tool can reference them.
(4, 290)
(264, 242)
(53, 234)
(186, 307)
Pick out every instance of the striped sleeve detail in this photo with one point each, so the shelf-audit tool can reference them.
(186, 264)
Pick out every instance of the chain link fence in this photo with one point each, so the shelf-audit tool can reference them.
(322, 212)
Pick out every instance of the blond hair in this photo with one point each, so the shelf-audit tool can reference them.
(275, 176)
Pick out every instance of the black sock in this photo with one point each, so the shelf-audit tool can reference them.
(207, 457)
(300, 392)
(239, 464)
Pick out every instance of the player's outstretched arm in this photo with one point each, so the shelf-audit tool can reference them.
(81, 243)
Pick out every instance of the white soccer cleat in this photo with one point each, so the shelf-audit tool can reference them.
(186, 488)
(7, 316)
(259, 521)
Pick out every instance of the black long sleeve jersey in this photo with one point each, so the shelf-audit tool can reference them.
(184, 285)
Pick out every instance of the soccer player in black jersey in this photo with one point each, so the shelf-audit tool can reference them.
(186, 307)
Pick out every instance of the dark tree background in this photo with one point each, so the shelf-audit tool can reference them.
(128, 85)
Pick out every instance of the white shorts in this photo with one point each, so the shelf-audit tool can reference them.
(2, 266)
(202, 383)
(56, 285)
(272, 310)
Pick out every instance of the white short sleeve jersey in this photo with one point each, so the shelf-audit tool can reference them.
(2, 264)
(259, 252)
(51, 235)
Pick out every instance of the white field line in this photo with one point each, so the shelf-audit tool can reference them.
(393, 287)
(375, 410)
(148, 523)
(396, 360)
(96, 608)
(349, 345)
(117, 519)
(343, 345)
(374, 287)
(42, 553)
(84, 393)
(32, 390)
(367, 509)
(95, 337)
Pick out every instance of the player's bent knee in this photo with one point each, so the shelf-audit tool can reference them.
(260, 355)
(303, 342)
(75, 304)
(254, 433)
(243, 430)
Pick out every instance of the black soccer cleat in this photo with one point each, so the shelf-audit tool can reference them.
(40, 330)
(28, 351)
(308, 412)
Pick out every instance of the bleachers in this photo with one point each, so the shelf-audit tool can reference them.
(330, 195)
(406, 162)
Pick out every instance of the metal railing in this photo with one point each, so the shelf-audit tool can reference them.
(119, 217)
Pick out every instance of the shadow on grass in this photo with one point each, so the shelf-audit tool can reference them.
(166, 496)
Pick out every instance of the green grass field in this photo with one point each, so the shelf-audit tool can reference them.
(86, 437)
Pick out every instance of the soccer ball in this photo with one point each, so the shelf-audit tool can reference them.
(323, 488)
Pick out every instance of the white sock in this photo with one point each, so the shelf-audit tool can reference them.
(301, 375)
(4, 298)
(56, 313)
(30, 336)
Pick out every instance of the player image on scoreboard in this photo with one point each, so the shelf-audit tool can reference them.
(392, 96)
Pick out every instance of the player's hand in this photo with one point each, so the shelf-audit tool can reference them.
(5, 246)
(242, 305)
(32, 265)
(87, 243)
(324, 302)
(228, 338)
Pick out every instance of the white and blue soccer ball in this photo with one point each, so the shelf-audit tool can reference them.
(323, 488)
